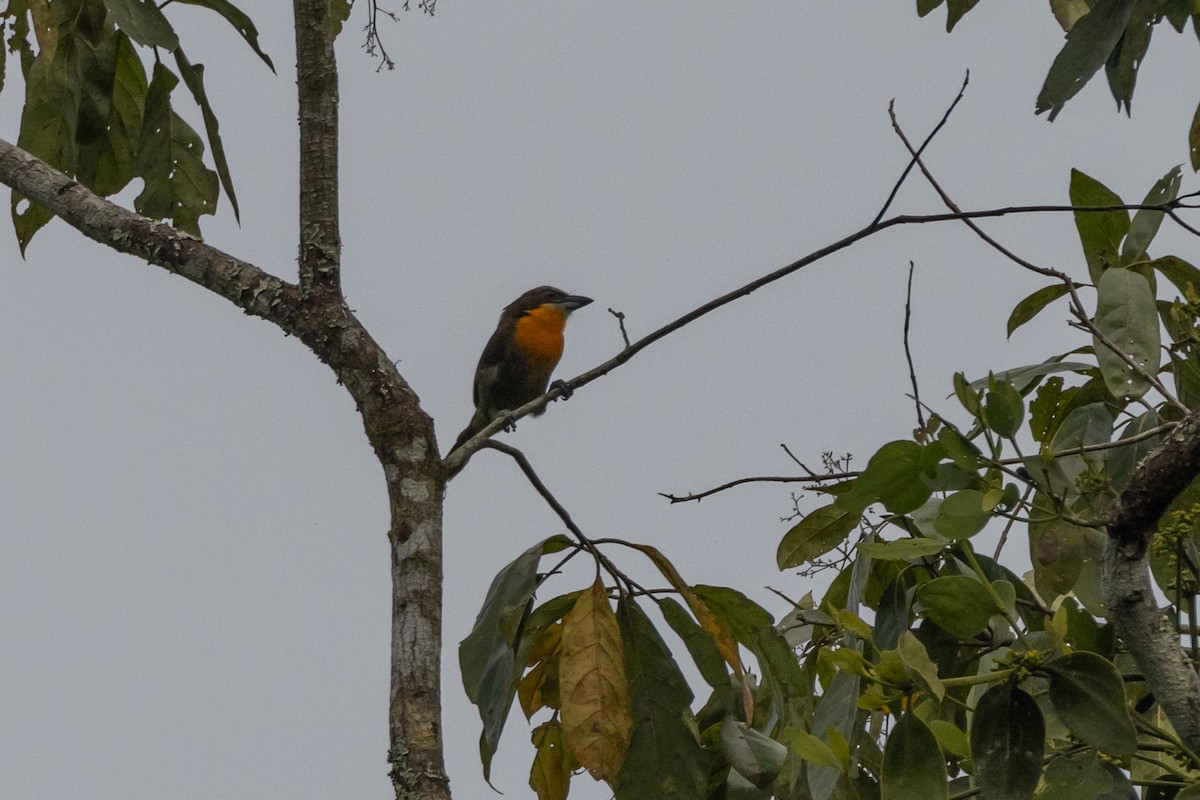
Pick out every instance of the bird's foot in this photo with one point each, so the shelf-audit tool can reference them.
(564, 390)
(510, 422)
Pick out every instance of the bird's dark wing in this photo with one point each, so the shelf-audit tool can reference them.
(488, 372)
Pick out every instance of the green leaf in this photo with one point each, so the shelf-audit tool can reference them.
(958, 604)
(738, 788)
(144, 22)
(177, 184)
(107, 164)
(903, 549)
(664, 760)
(1088, 695)
(755, 628)
(49, 126)
(815, 535)
(699, 644)
(1146, 222)
(1045, 410)
(756, 757)
(1024, 377)
(1123, 62)
(961, 515)
(1089, 43)
(1060, 551)
(1121, 460)
(1007, 741)
(835, 717)
(956, 10)
(193, 78)
(106, 133)
(811, 749)
(1127, 315)
(242, 22)
(950, 738)
(1100, 232)
(894, 615)
(1068, 12)
(893, 477)
(339, 10)
(958, 448)
(1078, 776)
(967, 395)
(913, 766)
(924, 7)
(1032, 305)
(1178, 272)
(1003, 408)
(922, 671)
(487, 657)
(1194, 140)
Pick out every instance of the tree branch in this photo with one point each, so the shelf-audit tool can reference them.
(812, 477)
(316, 81)
(400, 433)
(248, 287)
(1148, 633)
(460, 455)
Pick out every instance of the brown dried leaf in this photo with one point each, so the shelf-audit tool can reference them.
(593, 690)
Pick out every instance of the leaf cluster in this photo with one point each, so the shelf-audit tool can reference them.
(1110, 34)
(92, 110)
(926, 669)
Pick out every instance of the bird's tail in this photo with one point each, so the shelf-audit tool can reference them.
(477, 423)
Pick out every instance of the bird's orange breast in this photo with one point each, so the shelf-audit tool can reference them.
(539, 333)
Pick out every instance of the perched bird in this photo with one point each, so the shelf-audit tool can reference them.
(516, 363)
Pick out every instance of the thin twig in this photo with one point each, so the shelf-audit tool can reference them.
(1077, 306)
(760, 479)
(457, 457)
(620, 315)
(838, 476)
(1011, 521)
(601, 560)
(913, 161)
(802, 465)
(912, 374)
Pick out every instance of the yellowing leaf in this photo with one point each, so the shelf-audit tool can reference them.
(539, 687)
(550, 775)
(719, 631)
(592, 686)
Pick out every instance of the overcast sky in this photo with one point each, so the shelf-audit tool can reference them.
(194, 572)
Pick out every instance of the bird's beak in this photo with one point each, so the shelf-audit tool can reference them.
(574, 301)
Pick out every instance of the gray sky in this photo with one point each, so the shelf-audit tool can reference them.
(193, 560)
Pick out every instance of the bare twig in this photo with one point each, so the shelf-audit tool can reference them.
(697, 496)
(1011, 521)
(558, 508)
(912, 373)
(913, 161)
(801, 464)
(460, 455)
(1077, 306)
(839, 476)
(620, 315)
(373, 42)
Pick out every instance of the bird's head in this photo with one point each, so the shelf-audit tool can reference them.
(548, 296)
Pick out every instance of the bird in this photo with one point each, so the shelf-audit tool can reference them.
(517, 361)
